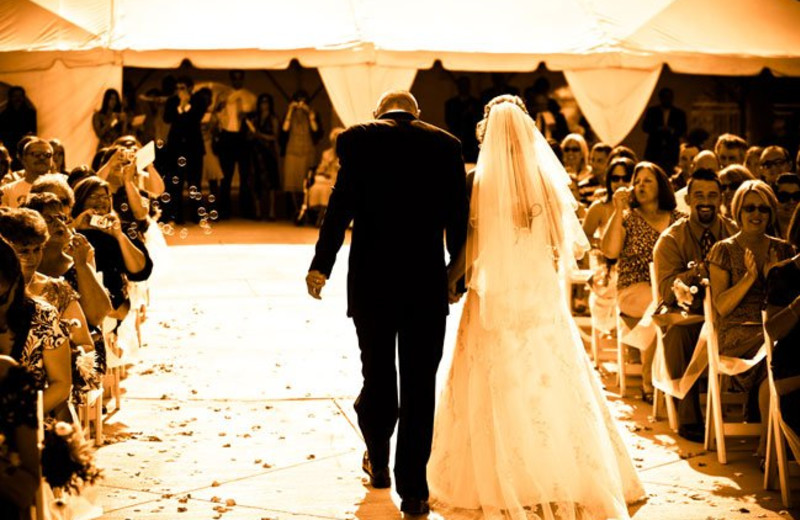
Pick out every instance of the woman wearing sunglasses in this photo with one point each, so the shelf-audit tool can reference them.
(737, 270)
(730, 178)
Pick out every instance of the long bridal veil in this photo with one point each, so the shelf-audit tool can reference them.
(522, 428)
(520, 190)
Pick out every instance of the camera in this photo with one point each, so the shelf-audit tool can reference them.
(101, 222)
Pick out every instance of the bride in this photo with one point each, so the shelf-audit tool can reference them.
(522, 429)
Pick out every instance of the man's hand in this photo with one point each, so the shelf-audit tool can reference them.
(315, 281)
(453, 296)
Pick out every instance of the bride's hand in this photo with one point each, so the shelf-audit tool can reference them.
(453, 296)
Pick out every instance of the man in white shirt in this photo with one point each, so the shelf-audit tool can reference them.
(37, 157)
(232, 147)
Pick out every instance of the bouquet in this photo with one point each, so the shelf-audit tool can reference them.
(67, 459)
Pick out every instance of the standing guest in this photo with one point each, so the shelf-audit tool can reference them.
(59, 160)
(232, 147)
(683, 171)
(185, 148)
(774, 161)
(730, 179)
(730, 149)
(783, 325)
(19, 464)
(16, 121)
(787, 191)
(5, 164)
(149, 179)
(31, 330)
(212, 170)
(37, 159)
(264, 131)
(461, 113)
(301, 129)
(640, 215)
(680, 255)
(110, 121)
(752, 160)
(409, 319)
(738, 267)
(664, 125)
(545, 110)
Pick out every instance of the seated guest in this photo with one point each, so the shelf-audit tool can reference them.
(680, 256)
(783, 325)
(324, 178)
(640, 215)
(737, 272)
(787, 191)
(622, 151)
(752, 158)
(5, 165)
(730, 178)
(730, 149)
(598, 160)
(79, 173)
(67, 254)
(683, 171)
(19, 479)
(59, 161)
(119, 257)
(576, 159)
(37, 157)
(774, 161)
(32, 332)
(705, 160)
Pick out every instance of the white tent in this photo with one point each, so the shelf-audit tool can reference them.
(67, 52)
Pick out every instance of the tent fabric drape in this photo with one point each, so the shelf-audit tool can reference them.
(65, 99)
(612, 99)
(354, 89)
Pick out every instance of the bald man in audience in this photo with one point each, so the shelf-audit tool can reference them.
(730, 149)
(37, 159)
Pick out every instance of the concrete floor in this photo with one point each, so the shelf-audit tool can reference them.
(240, 404)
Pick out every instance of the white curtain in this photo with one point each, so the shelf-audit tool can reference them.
(65, 99)
(612, 99)
(354, 89)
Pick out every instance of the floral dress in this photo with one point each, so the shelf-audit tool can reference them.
(46, 333)
(17, 408)
(637, 250)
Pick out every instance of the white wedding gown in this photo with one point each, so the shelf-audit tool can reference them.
(522, 428)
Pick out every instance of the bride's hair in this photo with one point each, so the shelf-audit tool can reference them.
(480, 129)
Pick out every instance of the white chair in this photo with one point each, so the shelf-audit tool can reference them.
(624, 369)
(90, 415)
(777, 465)
(660, 389)
(580, 277)
(115, 361)
(719, 366)
(38, 509)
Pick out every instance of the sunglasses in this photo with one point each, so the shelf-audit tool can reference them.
(572, 149)
(774, 162)
(730, 187)
(620, 178)
(786, 197)
(750, 208)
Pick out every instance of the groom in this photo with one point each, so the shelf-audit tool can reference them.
(402, 183)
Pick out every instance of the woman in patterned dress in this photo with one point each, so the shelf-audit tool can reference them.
(641, 214)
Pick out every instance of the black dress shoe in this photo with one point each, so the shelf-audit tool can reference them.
(692, 432)
(415, 506)
(378, 478)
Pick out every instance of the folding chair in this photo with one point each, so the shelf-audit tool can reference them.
(659, 388)
(778, 435)
(90, 415)
(115, 361)
(719, 366)
(579, 277)
(624, 369)
(38, 509)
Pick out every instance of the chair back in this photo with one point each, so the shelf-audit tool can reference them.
(725, 364)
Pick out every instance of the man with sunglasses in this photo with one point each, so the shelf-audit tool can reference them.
(774, 161)
(680, 261)
(37, 158)
(787, 191)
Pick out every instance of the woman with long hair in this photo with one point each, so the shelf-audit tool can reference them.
(111, 120)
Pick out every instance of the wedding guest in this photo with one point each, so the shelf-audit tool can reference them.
(783, 325)
(325, 178)
(774, 161)
(212, 169)
(683, 171)
(301, 130)
(36, 160)
(110, 121)
(17, 120)
(59, 161)
(79, 173)
(30, 329)
(664, 125)
(461, 113)
(233, 148)
(680, 254)
(787, 191)
(264, 131)
(19, 462)
(730, 179)
(119, 257)
(5, 164)
(752, 159)
(544, 110)
(706, 160)
(730, 149)
(149, 179)
(640, 215)
(618, 175)
(737, 269)
(598, 160)
(130, 202)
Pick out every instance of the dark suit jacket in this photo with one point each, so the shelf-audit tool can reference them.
(663, 143)
(402, 183)
(185, 135)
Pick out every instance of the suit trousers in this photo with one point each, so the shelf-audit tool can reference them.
(234, 149)
(418, 340)
(679, 345)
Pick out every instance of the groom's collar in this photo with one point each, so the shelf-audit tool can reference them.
(398, 115)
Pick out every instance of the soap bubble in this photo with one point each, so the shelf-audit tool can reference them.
(211, 199)
(176, 180)
(123, 207)
(181, 161)
(201, 211)
(160, 143)
(213, 214)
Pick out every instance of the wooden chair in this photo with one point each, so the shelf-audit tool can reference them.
(38, 510)
(660, 390)
(624, 369)
(90, 415)
(777, 466)
(719, 366)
